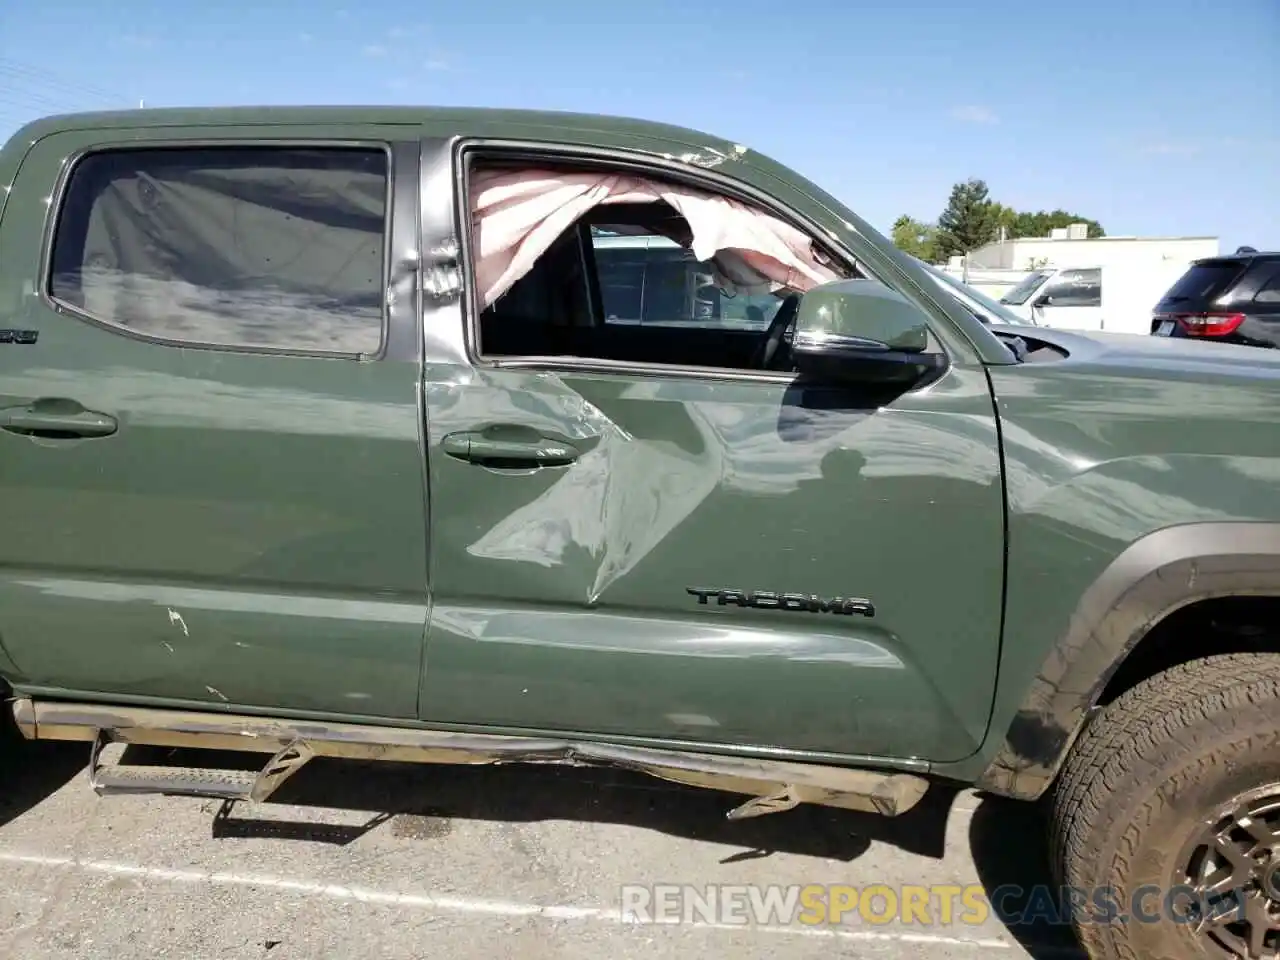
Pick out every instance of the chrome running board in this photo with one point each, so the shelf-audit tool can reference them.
(773, 785)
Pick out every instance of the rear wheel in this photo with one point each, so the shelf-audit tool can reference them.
(1167, 812)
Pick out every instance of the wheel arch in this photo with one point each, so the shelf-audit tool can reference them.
(1151, 580)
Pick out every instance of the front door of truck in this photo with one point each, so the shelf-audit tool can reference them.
(210, 455)
(693, 551)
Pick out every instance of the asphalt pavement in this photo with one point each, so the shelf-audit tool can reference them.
(396, 861)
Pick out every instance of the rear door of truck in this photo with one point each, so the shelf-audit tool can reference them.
(210, 460)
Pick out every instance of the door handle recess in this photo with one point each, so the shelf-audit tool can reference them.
(57, 419)
(479, 447)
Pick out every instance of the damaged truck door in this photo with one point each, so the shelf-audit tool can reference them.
(661, 534)
(213, 483)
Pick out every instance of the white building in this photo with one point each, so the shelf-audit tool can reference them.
(997, 267)
(1071, 247)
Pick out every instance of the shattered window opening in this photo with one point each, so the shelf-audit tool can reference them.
(615, 266)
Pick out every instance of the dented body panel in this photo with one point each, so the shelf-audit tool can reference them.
(561, 597)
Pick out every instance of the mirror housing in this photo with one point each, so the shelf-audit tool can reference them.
(862, 330)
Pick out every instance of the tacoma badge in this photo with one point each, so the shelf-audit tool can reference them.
(797, 602)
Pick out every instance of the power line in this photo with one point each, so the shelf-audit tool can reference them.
(48, 104)
(46, 78)
(28, 92)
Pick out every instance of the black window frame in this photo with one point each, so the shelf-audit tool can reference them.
(392, 153)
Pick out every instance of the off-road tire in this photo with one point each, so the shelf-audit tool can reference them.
(1145, 775)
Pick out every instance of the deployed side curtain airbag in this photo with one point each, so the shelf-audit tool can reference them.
(518, 215)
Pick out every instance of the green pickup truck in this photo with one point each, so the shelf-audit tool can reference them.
(321, 437)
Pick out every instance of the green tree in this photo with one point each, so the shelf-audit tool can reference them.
(970, 219)
(1006, 217)
(1039, 224)
(915, 237)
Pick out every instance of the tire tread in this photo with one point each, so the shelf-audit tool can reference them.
(1175, 728)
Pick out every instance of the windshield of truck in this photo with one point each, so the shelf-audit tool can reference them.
(1027, 286)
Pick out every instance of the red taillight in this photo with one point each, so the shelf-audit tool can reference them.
(1208, 324)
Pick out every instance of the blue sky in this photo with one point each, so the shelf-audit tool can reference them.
(1155, 118)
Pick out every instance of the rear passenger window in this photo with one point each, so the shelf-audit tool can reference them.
(242, 247)
(1270, 290)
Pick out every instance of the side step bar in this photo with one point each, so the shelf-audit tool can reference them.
(111, 779)
(774, 785)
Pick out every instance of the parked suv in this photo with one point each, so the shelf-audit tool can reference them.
(1231, 299)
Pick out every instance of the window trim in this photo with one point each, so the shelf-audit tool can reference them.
(464, 152)
(73, 160)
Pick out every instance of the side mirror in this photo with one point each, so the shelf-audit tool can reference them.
(862, 330)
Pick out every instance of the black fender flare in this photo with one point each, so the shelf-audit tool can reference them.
(1153, 577)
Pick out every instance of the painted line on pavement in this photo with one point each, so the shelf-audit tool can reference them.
(455, 904)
